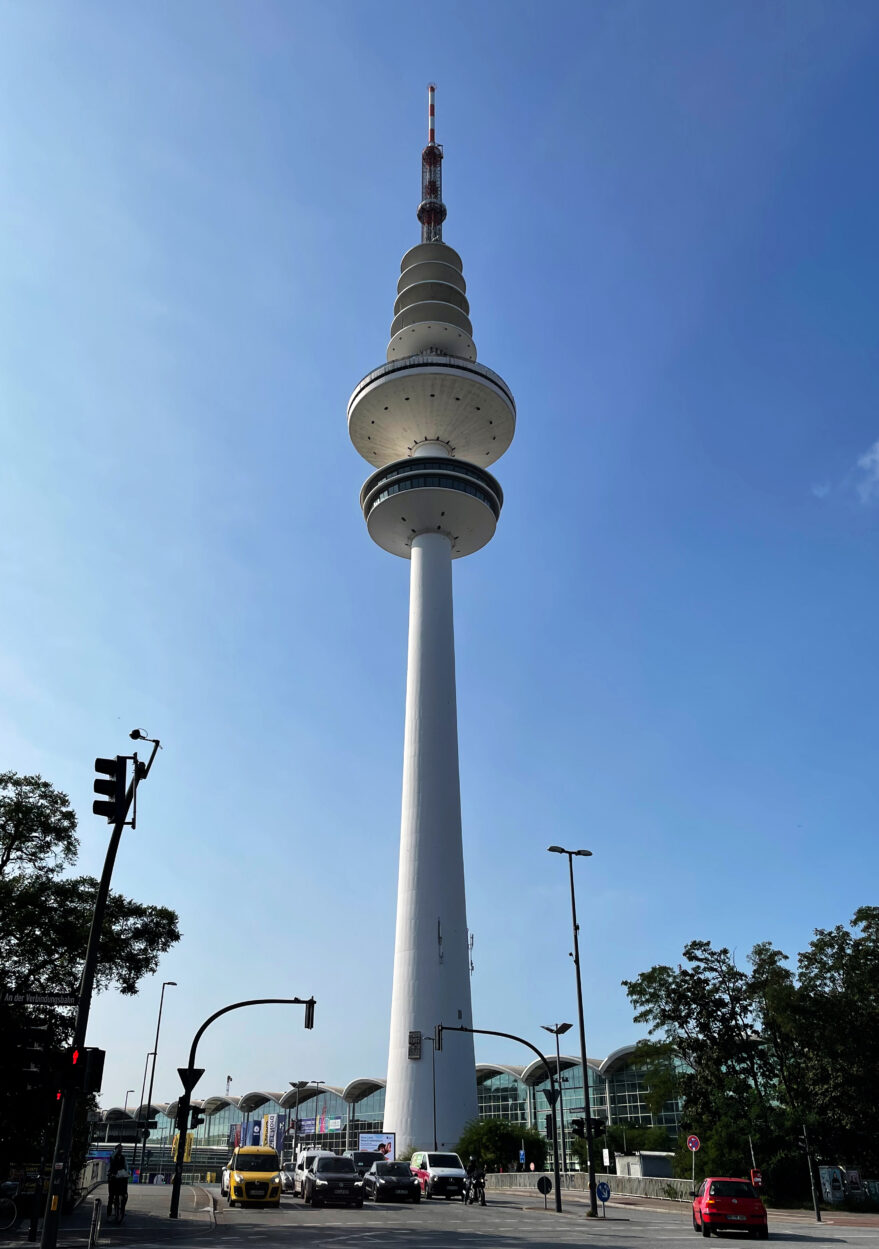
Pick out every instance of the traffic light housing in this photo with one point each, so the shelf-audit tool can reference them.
(85, 1069)
(196, 1117)
(578, 1127)
(114, 789)
(309, 1013)
(437, 1038)
(598, 1127)
(550, 1128)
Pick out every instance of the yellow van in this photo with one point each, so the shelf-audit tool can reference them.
(254, 1177)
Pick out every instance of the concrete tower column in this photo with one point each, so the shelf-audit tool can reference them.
(431, 956)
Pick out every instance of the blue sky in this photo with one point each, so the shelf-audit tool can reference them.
(667, 215)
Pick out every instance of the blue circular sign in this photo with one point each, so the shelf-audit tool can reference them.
(602, 1192)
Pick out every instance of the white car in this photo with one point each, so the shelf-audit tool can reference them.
(224, 1179)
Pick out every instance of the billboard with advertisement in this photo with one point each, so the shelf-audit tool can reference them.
(307, 1126)
(379, 1142)
(272, 1133)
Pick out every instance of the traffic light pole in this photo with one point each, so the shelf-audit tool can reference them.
(70, 1096)
(510, 1036)
(190, 1076)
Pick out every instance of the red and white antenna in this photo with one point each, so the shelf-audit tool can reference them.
(431, 210)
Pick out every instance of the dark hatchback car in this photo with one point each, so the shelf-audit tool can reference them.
(391, 1181)
(727, 1204)
(333, 1180)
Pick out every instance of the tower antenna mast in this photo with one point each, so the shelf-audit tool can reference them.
(431, 210)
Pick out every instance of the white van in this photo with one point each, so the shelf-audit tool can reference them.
(304, 1159)
(440, 1174)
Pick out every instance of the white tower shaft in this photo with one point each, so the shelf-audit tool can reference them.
(431, 958)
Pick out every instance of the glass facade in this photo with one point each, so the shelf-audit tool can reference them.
(617, 1093)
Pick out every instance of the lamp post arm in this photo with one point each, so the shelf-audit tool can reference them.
(511, 1036)
(258, 1001)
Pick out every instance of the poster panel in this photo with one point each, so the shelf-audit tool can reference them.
(379, 1142)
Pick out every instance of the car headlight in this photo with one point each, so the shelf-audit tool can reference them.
(320, 1183)
(358, 1183)
(239, 1179)
(276, 1179)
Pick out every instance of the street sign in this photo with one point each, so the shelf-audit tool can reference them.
(40, 999)
(522, 1156)
(189, 1077)
(757, 1178)
(602, 1192)
(693, 1143)
(415, 1045)
(544, 1185)
(551, 1095)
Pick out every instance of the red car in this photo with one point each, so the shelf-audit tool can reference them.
(730, 1205)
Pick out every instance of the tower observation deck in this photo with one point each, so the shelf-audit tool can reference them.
(430, 421)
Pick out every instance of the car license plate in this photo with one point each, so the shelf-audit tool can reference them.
(737, 1218)
(402, 1191)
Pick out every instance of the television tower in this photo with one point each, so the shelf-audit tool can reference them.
(430, 421)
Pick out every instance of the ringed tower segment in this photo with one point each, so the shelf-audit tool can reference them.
(430, 422)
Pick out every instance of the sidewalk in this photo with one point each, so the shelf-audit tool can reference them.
(146, 1219)
(574, 1199)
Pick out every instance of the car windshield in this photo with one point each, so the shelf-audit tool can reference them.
(399, 1169)
(342, 1166)
(257, 1162)
(444, 1160)
(366, 1156)
(732, 1188)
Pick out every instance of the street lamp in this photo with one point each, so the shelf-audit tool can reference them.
(586, 854)
(558, 1030)
(299, 1085)
(125, 1107)
(166, 984)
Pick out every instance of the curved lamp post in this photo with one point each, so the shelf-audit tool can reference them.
(154, 1053)
(190, 1076)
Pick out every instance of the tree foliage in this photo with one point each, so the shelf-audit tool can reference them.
(495, 1143)
(769, 1049)
(45, 918)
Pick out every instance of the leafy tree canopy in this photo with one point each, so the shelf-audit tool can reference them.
(495, 1143)
(45, 917)
(769, 1049)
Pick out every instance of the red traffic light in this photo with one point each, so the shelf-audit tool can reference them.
(74, 1058)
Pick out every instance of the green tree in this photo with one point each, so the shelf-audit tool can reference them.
(769, 1049)
(496, 1144)
(45, 917)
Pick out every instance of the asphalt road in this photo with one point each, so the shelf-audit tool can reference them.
(509, 1221)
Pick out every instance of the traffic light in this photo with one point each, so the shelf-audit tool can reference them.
(550, 1128)
(598, 1127)
(197, 1117)
(578, 1127)
(437, 1038)
(309, 1013)
(114, 811)
(85, 1069)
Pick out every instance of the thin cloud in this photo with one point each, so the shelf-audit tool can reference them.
(868, 486)
(822, 489)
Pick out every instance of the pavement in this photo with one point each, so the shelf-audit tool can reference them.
(146, 1219)
(513, 1219)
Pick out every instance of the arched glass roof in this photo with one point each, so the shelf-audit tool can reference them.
(358, 1089)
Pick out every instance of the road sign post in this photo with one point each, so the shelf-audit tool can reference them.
(693, 1144)
(602, 1192)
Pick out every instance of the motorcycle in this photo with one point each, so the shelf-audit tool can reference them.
(475, 1189)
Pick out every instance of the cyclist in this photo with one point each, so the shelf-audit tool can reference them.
(117, 1184)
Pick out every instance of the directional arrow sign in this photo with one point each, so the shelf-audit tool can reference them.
(189, 1077)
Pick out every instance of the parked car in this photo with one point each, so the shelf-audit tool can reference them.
(288, 1173)
(364, 1158)
(440, 1175)
(731, 1204)
(391, 1181)
(254, 1177)
(304, 1160)
(333, 1179)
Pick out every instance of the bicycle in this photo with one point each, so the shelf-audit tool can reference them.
(8, 1213)
(118, 1200)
